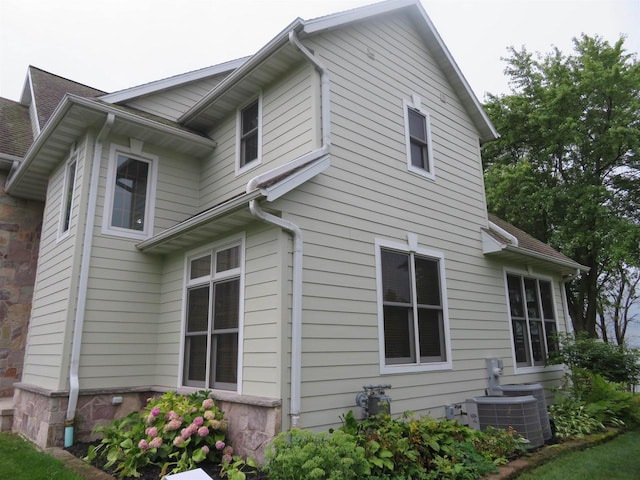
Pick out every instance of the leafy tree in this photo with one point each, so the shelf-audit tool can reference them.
(618, 309)
(567, 166)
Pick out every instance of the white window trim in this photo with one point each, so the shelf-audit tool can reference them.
(416, 104)
(187, 282)
(253, 164)
(417, 367)
(518, 370)
(73, 160)
(107, 228)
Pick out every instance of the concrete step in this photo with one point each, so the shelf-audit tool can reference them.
(6, 414)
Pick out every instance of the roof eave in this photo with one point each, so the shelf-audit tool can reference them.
(171, 82)
(63, 108)
(251, 64)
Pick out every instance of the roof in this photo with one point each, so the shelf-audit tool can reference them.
(510, 242)
(49, 90)
(73, 116)
(278, 56)
(15, 129)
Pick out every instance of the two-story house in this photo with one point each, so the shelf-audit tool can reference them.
(281, 229)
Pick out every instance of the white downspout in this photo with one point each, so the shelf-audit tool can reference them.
(256, 210)
(74, 382)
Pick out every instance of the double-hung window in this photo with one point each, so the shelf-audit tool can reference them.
(412, 310)
(67, 196)
(249, 136)
(533, 321)
(212, 318)
(418, 138)
(130, 194)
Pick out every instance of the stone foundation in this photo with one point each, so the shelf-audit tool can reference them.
(40, 415)
(20, 225)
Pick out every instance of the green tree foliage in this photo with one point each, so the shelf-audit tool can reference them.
(567, 166)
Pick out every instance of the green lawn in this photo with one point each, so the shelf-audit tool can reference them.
(618, 459)
(20, 460)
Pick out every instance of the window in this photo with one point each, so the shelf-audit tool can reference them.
(130, 195)
(412, 309)
(249, 136)
(67, 196)
(212, 318)
(418, 138)
(533, 322)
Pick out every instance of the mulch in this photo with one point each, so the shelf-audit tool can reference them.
(152, 472)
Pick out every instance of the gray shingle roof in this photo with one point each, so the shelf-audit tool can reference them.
(49, 89)
(525, 240)
(15, 128)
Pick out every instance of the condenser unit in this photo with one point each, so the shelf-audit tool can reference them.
(536, 390)
(520, 413)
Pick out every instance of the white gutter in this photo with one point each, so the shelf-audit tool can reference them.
(74, 382)
(256, 210)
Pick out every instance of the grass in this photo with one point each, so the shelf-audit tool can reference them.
(618, 459)
(20, 460)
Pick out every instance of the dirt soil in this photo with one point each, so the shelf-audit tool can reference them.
(152, 472)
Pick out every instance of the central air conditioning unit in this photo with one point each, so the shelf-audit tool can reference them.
(536, 390)
(520, 413)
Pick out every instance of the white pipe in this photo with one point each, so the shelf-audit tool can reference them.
(74, 382)
(296, 232)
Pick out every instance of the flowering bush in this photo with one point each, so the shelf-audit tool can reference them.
(174, 432)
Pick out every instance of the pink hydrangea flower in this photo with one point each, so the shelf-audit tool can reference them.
(155, 411)
(220, 445)
(178, 441)
(143, 445)
(205, 449)
(172, 425)
(228, 450)
(226, 458)
(152, 432)
(203, 431)
(185, 433)
(156, 442)
(193, 428)
(198, 421)
(207, 403)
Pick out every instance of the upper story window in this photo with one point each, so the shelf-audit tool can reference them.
(249, 137)
(68, 189)
(129, 195)
(533, 320)
(412, 309)
(418, 138)
(212, 318)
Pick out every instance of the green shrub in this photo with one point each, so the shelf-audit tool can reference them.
(424, 448)
(572, 419)
(616, 363)
(304, 455)
(175, 432)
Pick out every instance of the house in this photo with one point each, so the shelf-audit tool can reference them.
(281, 229)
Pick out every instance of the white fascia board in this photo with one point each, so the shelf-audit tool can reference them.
(247, 67)
(490, 244)
(504, 233)
(342, 18)
(63, 107)
(296, 179)
(198, 220)
(171, 82)
(540, 256)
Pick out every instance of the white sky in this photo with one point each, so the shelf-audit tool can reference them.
(117, 44)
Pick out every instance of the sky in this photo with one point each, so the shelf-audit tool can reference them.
(116, 44)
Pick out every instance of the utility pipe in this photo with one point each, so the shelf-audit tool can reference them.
(74, 382)
(296, 232)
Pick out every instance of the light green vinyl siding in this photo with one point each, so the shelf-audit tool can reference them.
(368, 194)
(174, 102)
(289, 130)
(54, 292)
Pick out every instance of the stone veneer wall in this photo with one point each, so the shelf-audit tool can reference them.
(20, 225)
(40, 415)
